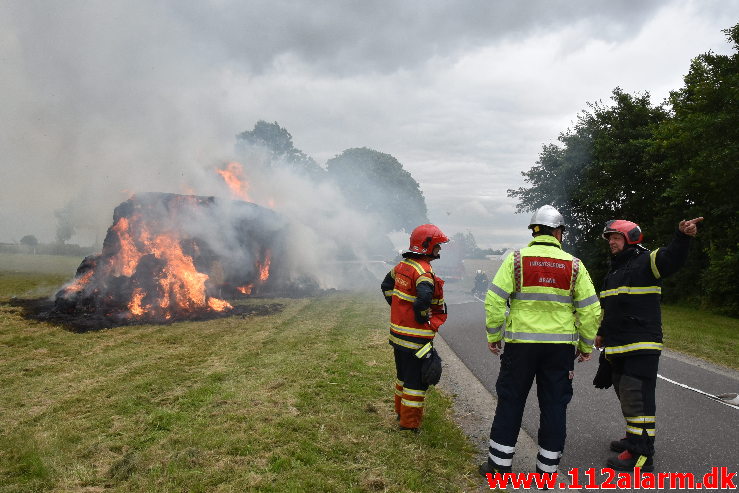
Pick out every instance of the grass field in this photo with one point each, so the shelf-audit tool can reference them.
(300, 401)
(701, 333)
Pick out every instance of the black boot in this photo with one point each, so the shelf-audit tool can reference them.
(488, 467)
(619, 445)
(625, 461)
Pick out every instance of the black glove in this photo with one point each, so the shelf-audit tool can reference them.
(422, 318)
(602, 379)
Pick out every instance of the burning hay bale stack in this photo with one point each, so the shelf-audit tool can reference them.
(173, 257)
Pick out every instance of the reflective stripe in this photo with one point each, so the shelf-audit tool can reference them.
(495, 330)
(414, 392)
(425, 349)
(640, 419)
(415, 265)
(653, 263)
(499, 461)
(542, 336)
(546, 467)
(587, 342)
(631, 290)
(403, 296)
(499, 291)
(399, 392)
(410, 331)
(517, 270)
(408, 403)
(548, 454)
(398, 382)
(639, 431)
(575, 272)
(401, 342)
(389, 293)
(438, 302)
(503, 448)
(634, 347)
(586, 302)
(541, 297)
(425, 279)
(392, 273)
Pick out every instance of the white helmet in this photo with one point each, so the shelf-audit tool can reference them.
(546, 215)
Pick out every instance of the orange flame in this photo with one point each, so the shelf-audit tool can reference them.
(245, 289)
(181, 285)
(264, 268)
(233, 175)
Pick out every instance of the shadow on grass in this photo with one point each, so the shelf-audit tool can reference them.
(43, 310)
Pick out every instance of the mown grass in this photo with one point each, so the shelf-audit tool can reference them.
(701, 333)
(296, 401)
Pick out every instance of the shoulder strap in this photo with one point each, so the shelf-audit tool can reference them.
(517, 270)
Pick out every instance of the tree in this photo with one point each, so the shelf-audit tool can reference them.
(468, 245)
(603, 169)
(65, 225)
(375, 182)
(29, 241)
(700, 144)
(279, 143)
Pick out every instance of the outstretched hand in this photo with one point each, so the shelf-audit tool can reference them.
(689, 228)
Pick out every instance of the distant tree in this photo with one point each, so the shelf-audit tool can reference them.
(279, 142)
(375, 182)
(65, 225)
(468, 244)
(29, 241)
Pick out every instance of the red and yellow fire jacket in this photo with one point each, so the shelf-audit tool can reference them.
(416, 298)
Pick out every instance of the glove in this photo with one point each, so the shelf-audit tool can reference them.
(422, 317)
(602, 379)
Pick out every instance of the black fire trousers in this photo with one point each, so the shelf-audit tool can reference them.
(551, 365)
(635, 381)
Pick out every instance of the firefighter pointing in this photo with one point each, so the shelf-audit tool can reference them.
(553, 318)
(417, 310)
(631, 331)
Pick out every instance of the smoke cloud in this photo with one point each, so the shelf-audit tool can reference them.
(101, 100)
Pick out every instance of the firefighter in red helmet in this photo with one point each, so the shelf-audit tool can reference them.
(417, 310)
(630, 331)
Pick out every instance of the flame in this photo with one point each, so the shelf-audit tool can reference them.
(135, 305)
(79, 283)
(245, 289)
(179, 287)
(264, 268)
(233, 175)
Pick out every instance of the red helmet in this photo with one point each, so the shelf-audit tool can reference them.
(630, 231)
(424, 238)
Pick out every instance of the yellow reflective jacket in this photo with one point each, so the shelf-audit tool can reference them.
(542, 294)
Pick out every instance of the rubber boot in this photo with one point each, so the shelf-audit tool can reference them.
(619, 445)
(625, 461)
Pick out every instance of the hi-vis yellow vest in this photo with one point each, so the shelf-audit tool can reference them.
(550, 294)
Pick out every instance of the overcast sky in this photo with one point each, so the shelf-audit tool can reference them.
(100, 99)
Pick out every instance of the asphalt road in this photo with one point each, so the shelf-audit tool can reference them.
(694, 433)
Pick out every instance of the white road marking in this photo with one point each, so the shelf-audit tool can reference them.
(711, 396)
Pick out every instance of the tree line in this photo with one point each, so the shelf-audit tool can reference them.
(654, 165)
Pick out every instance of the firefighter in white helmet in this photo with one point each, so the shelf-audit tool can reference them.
(553, 318)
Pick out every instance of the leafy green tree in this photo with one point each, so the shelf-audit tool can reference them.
(375, 182)
(279, 143)
(603, 169)
(700, 144)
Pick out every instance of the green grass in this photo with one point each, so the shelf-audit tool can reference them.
(296, 401)
(40, 264)
(701, 333)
